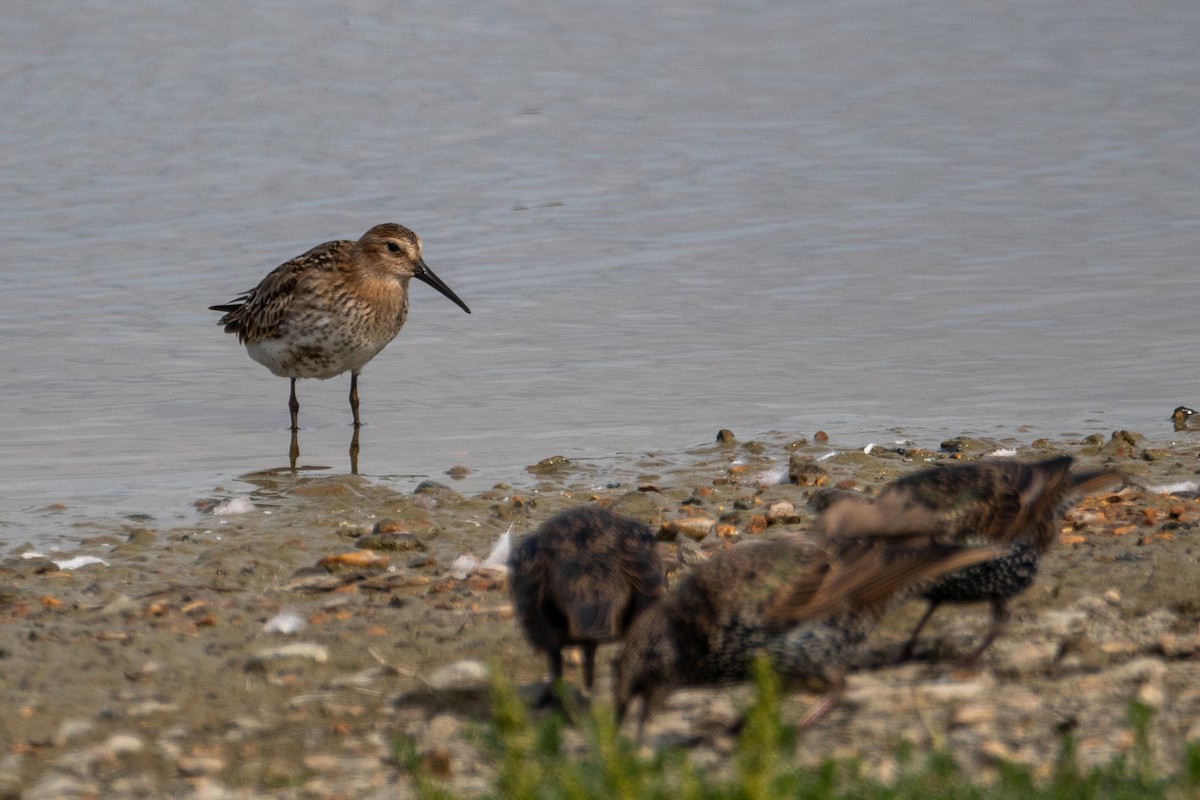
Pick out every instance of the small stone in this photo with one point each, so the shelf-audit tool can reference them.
(974, 716)
(458, 472)
(1026, 658)
(357, 559)
(195, 766)
(294, 651)
(725, 436)
(549, 466)
(443, 728)
(1063, 622)
(782, 513)
(803, 471)
(391, 542)
(693, 527)
(71, 730)
(756, 524)
(1150, 694)
(1140, 670)
(389, 525)
(120, 744)
(436, 763)
(461, 674)
(953, 692)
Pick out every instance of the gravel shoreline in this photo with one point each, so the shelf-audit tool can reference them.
(279, 652)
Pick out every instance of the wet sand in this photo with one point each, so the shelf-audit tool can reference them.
(156, 675)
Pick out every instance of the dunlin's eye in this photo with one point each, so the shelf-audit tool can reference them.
(393, 247)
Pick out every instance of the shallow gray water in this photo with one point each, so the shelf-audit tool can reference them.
(877, 218)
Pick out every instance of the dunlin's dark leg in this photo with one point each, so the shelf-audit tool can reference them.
(294, 407)
(999, 621)
(354, 397)
(294, 449)
(907, 653)
(354, 453)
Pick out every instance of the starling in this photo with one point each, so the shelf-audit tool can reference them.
(581, 579)
(1007, 502)
(1182, 418)
(806, 603)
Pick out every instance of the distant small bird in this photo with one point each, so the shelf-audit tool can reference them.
(985, 502)
(332, 309)
(581, 579)
(806, 603)
(1182, 418)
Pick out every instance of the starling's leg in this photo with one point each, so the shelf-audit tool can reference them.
(549, 697)
(354, 398)
(999, 621)
(294, 407)
(837, 688)
(907, 653)
(589, 664)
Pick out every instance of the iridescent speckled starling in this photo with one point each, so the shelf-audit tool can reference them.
(980, 503)
(1183, 418)
(806, 603)
(581, 579)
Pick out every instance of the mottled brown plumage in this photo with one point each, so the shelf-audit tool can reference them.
(332, 309)
(807, 603)
(581, 579)
(1020, 504)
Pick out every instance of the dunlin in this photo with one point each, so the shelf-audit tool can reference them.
(806, 603)
(581, 579)
(332, 309)
(1007, 502)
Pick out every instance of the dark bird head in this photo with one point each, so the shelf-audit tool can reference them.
(1181, 417)
(647, 666)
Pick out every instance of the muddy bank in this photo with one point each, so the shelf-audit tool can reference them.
(266, 652)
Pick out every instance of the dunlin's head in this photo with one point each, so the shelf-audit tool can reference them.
(396, 251)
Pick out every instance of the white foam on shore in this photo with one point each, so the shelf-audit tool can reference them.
(1175, 488)
(234, 505)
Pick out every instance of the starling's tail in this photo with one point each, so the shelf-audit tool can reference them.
(1083, 483)
(592, 621)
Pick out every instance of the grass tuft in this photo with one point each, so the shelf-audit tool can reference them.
(532, 762)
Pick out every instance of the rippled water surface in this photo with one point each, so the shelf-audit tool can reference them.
(879, 218)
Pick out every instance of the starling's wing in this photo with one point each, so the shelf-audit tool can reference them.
(867, 580)
(1002, 501)
(894, 514)
(1083, 483)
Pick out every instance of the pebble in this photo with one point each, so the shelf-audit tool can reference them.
(293, 651)
(71, 730)
(398, 542)
(1025, 657)
(461, 674)
(782, 512)
(693, 527)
